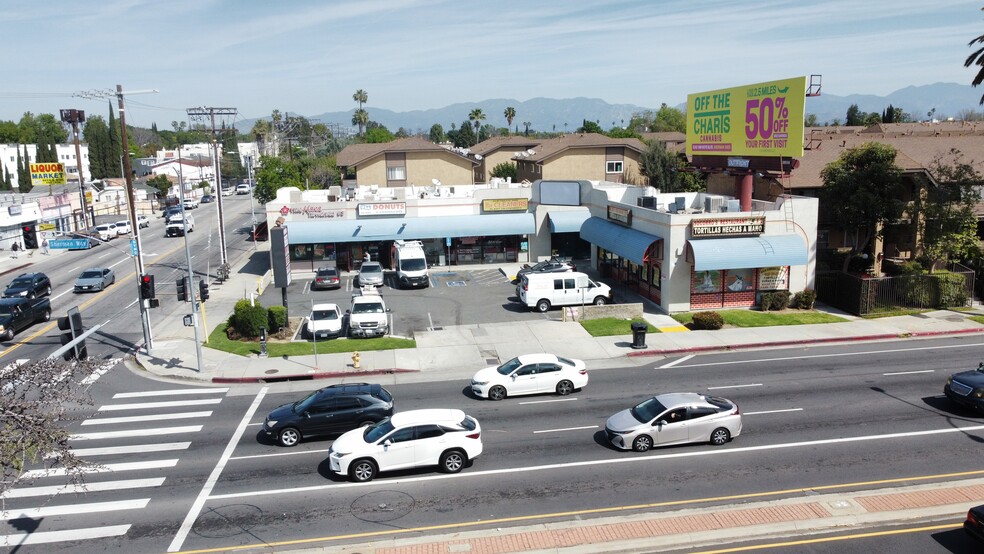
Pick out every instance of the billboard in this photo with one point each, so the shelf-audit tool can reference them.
(764, 119)
(47, 174)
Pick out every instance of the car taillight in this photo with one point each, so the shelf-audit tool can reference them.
(971, 518)
(583, 372)
(526, 286)
(737, 410)
(474, 435)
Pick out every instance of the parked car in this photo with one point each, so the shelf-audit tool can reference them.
(325, 322)
(974, 525)
(371, 274)
(190, 203)
(326, 278)
(208, 198)
(542, 291)
(333, 409)
(416, 438)
(530, 374)
(228, 191)
(142, 221)
(17, 314)
(122, 227)
(242, 188)
(674, 418)
(106, 231)
(28, 285)
(555, 264)
(967, 388)
(95, 279)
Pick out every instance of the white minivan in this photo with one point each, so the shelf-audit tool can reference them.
(541, 291)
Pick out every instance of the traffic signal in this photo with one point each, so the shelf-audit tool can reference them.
(182, 284)
(31, 236)
(72, 325)
(147, 290)
(203, 290)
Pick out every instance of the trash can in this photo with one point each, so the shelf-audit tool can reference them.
(639, 334)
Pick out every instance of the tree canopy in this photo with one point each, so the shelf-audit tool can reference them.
(948, 224)
(274, 173)
(977, 58)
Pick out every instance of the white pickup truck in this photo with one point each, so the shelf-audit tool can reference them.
(368, 316)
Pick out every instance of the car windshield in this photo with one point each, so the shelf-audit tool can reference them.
(368, 308)
(539, 266)
(305, 403)
(321, 315)
(122, 223)
(647, 410)
(375, 432)
(509, 366)
(413, 264)
(368, 269)
(90, 275)
(21, 282)
(326, 273)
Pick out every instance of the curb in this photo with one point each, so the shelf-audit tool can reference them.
(885, 336)
(310, 376)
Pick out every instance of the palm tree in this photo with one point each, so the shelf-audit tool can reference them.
(477, 117)
(977, 58)
(360, 118)
(510, 114)
(361, 97)
(527, 125)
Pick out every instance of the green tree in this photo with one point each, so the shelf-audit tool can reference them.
(161, 183)
(589, 127)
(360, 118)
(977, 58)
(272, 174)
(660, 167)
(378, 134)
(810, 120)
(114, 157)
(871, 119)
(9, 134)
(361, 97)
(96, 135)
(476, 117)
(526, 127)
(948, 223)
(24, 176)
(665, 119)
(510, 114)
(504, 170)
(854, 117)
(862, 190)
(463, 137)
(437, 135)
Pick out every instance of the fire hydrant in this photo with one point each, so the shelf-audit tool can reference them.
(355, 360)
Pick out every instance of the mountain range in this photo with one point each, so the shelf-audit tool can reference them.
(943, 100)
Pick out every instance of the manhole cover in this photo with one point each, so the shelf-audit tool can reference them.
(456, 283)
(382, 506)
(271, 371)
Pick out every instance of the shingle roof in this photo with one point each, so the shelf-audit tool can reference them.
(552, 147)
(355, 154)
(494, 143)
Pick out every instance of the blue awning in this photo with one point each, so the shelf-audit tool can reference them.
(748, 252)
(568, 221)
(410, 228)
(627, 243)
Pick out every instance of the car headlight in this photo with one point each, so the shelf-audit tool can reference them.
(949, 380)
(337, 454)
(22, 293)
(614, 432)
(978, 393)
(480, 383)
(2, 329)
(271, 423)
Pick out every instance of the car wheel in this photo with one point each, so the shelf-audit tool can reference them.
(720, 436)
(113, 281)
(48, 290)
(600, 301)
(31, 295)
(565, 387)
(543, 306)
(46, 315)
(367, 423)
(289, 437)
(8, 335)
(497, 392)
(362, 471)
(452, 461)
(642, 443)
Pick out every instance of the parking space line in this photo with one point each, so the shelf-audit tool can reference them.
(910, 372)
(675, 362)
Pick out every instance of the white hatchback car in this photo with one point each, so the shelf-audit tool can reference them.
(530, 374)
(417, 438)
(674, 418)
(325, 322)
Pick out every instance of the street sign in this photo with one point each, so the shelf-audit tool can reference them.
(46, 227)
(71, 244)
(133, 247)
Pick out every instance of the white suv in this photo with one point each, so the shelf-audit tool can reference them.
(436, 437)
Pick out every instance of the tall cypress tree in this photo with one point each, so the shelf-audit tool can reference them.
(24, 177)
(115, 147)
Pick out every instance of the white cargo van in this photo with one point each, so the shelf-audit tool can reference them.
(411, 264)
(541, 291)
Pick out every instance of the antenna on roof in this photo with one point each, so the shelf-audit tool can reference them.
(436, 182)
(478, 156)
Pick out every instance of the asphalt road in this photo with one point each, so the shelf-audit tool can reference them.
(813, 416)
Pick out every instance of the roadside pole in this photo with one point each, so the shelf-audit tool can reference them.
(191, 273)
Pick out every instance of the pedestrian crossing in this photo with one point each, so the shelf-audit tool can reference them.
(130, 442)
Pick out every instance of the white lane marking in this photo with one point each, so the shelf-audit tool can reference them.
(566, 429)
(72, 488)
(838, 355)
(735, 386)
(135, 419)
(773, 411)
(136, 433)
(149, 405)
(292, 453)
(910, 372)
(107, 468)
(74, 269)
(196, 508)
(45, 537)
(118, 263)
(608, 461)
(548, 401)
(71, 509)
(94, 376)
(59, 295)
(106, 254)
(254, 424)
(131, 449)
(675, 362)
(171, 392)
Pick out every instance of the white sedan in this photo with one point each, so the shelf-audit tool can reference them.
(123, 227)
(530, 374)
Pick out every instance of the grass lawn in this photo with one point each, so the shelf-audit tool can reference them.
(977, 318)
(219, 341)
(893, 313)
(749, 318)
(609, 326)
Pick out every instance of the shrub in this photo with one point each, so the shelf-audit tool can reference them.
(708, 321)
(805, 299)
(278, 318)
(247, 320)
(777, 300)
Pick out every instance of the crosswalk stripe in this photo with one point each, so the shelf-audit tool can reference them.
(105, 468)
(153, 417)
(172, 392)
(45, 537)
(154, 405)
(136, 433)
(73, 488)
(71, 509)
(131, 449)
(95, 375)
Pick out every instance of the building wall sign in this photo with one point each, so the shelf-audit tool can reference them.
(312, 211)
(382, 208)
(774, 278)
(505, 205)
(620, 215)
(730, 227)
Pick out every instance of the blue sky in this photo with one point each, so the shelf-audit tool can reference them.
(309, 57)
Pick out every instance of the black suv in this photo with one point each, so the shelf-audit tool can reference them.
(967, 388)
(327, 411)
(30, 285)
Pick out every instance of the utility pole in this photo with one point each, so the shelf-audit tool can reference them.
(201, 114)
(75, 117)
(252, 185)
(191, 272)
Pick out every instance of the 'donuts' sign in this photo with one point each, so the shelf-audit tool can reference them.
(729, 227)
(382, 208)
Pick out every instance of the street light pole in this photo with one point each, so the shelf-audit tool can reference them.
(252, 211)
(190, 289)
(74, 117)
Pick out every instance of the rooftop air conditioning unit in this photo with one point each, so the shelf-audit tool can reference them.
(681, 203)
(713, 204)
(647, 202)
(734, 205)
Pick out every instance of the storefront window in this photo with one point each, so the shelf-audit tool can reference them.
(707, 281)
(740, 280)
(301, 252)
